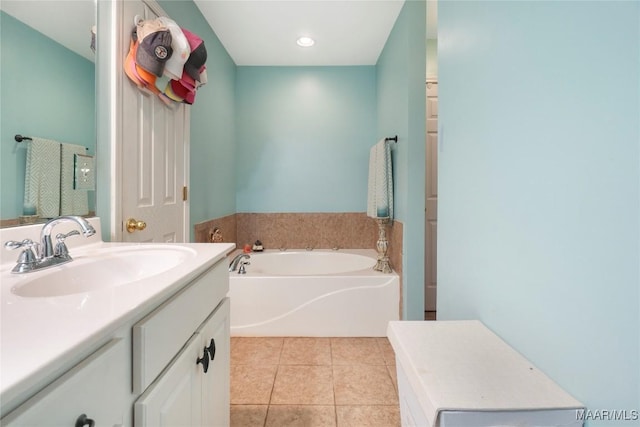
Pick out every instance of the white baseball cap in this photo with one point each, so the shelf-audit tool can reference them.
(181, 49)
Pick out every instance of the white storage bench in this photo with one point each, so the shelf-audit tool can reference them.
(459, 373)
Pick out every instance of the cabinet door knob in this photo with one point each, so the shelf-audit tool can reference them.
(204, 360)
(84, 421)
(212, 349)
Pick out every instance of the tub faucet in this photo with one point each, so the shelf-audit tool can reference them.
(233, 265)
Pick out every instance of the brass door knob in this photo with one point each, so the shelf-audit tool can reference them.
(134, 224)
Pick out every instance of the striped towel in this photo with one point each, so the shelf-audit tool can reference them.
(42, 177)
(380, 190)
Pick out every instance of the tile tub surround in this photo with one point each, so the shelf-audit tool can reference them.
(351, 230)
(299, 381)
(226, 224)
(345, 230)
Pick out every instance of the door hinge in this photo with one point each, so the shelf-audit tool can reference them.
(185, 193)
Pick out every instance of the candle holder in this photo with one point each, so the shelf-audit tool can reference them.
(382, 245)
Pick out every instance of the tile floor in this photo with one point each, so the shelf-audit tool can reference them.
(290, 381)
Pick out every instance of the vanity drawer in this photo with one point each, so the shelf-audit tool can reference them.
(97, 387)
(158, 337)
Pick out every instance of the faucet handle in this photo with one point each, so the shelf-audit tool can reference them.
(27, 258)
(242, 269)
(26, 243)
(61, 248)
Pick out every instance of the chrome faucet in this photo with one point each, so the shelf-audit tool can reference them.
(45, 234)
(233, 265)
(36, 256)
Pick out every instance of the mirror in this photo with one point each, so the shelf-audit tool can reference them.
(47, 77)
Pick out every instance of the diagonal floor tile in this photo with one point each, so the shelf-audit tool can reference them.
(386, 349)
(355, 351)
(256, 350)
(252, 385)
(306, 351)
(248, 415)
(303, 385)
(361, 416)
(363, 385)
(301, 416)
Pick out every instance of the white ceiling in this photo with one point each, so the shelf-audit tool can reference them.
(68, 22)
(264, 32)
(254, 32)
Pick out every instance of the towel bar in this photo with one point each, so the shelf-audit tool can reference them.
(20, 138)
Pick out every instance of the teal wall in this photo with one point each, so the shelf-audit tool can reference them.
(401, 108)
(213, 141)
(303, 138)
(46, 90)
(538, 231)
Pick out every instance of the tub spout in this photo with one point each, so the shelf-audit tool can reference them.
(233, 265)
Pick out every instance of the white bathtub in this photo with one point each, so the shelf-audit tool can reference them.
(320, 293)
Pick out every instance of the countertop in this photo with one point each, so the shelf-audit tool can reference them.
(39, 334)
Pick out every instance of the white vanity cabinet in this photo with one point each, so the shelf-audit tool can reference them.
(97, 388)
(185, 384)
(140, 368)
(194, 389)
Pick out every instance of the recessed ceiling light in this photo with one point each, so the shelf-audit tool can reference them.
(305, 41)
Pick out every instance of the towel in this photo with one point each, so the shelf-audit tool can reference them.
(42, 177)
(72, 202)
(380, 194)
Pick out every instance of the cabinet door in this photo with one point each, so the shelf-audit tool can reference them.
(215, 383)
(98, 387)
(174, 399)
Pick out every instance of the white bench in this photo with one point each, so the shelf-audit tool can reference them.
(459, 373)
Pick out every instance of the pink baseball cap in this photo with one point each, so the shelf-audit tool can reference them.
(197, 57)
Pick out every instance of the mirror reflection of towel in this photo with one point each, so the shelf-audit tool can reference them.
(49, 179)
(72, 202)
(42, 177)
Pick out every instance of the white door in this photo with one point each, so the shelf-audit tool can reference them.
(431, 215)
(154, 144)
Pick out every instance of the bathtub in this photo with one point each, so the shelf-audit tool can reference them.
(320, 293)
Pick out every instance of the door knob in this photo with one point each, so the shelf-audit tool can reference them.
(134, 224)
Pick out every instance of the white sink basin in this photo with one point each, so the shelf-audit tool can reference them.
(101, 269)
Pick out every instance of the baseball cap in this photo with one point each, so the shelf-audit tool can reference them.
(182, 91)
(154, 46)
(181, 49)
(197, 57)
(130, 65)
